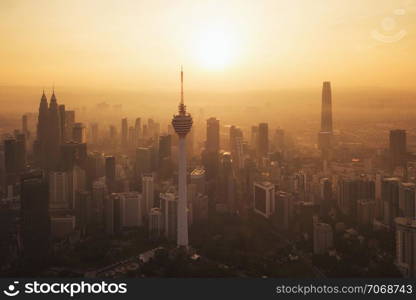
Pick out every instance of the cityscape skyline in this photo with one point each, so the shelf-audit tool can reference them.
(271, 162)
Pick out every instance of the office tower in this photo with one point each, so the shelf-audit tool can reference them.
(21, 150)
(226, 190)
(10, 156)
(72, 154)
(254, 137)
(78, 133)
(326, 113)
(182, 122)
(322, 237)
(131, 209)
(58, 191)
(405, 249)
(95, 165)
(110, 173)
(398, 148)
(210, 156)
(350, 191)
(155, 223)
(165, 156)
(366, 212)
(82, 210)
(198, 178)
(170, 211)
(263, 140)
(213, 135)
(264, 198)
(42, 133)
(407, 198)
(54, 134)
(131, 139)
(148, 193)
(25, 127)
(35, 221)
(325, 134)
(94, 133)
(390, 200)
(138, 130)
(62, 115)
(77, 182)
(284, 208)
(236, 139)
(124, 133)
(325, 197)
(109, 214)
(165, 145)
(69, 124)
(143, 160)
(96, 208)
(62, 226)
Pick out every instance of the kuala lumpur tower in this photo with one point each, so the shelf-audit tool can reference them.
(182, 123)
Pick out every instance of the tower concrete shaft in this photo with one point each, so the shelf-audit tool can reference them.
(182, 123)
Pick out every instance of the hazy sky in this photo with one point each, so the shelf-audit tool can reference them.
(223, 45)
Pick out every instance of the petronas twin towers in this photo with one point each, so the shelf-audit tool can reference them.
(49, 133)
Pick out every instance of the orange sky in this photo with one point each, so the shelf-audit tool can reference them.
(223, 45)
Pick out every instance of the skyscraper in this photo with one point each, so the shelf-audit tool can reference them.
(124, 132)
(42, 132)
(182, 122)
(326, 113)
(397, 147)
(54, 133)
(325, 134)
(213, 135)
(35, 221)
(263, 140)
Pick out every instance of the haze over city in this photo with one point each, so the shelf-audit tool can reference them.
(207, 139)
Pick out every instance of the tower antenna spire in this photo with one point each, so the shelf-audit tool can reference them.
(182, 108)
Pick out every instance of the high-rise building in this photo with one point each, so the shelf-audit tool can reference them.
(42, 133)
(407, 198)
(398, 148)
(35, 225)
(170, 211)
(54, 134)
(69, 124)
(155, 223)
(62, 115)
(124, 133)
(131, 209)
(213, 135)
(72, 154)
(405, 249)
(325, 134)
(263, 140)
(138, 130)
(182, 122)
(110, 172)
(322, 237)
(78, 133)
(58, 191)
(143, 160)
(390, 200)
(148, 193)
(264, 198)
(366, 212)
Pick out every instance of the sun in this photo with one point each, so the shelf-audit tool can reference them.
(214, 47)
